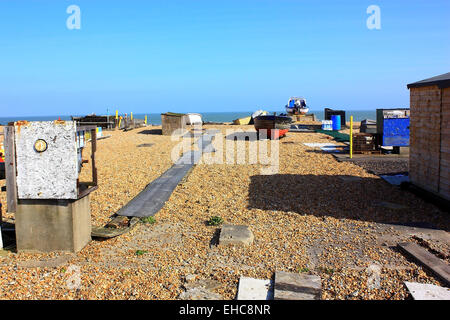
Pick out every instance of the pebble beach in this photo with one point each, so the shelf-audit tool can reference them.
(315, 215)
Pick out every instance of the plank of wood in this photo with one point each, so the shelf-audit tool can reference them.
(112, 231)
(108, 233)
(10, 169)
(428, 260)
(295, 286)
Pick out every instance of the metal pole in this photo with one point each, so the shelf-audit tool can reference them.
(351, 137)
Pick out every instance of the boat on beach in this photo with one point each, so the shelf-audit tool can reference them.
(297, 105)
(274, 126)
(194, 118)
(242, 121)
(249, 119)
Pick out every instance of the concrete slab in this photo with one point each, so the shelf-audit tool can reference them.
(255, 289)
(333, 149)
(235, 235)
(423, 291)
(320, 145)
(297, 286)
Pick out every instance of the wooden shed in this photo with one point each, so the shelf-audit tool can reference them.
(172, 121)
(429, 164)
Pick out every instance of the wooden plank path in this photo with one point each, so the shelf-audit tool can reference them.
(428, 260)
(154, 196)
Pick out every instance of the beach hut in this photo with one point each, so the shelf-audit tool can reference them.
(429, 166)
(172, 122)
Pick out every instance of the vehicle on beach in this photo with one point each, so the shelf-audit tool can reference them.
(297, 105)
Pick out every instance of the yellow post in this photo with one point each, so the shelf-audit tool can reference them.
(120, 121)
(351, 137)
(131, 116)
(145, 119)
(117, 114)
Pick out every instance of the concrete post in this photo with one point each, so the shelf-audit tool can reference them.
(53, 225)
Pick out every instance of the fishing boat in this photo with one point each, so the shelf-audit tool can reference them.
(249, 120)
(276, 126)
(242, 121)
(297, 105)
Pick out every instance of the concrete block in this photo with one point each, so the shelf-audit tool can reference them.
(235, 235)
(423, 291)
(296, 286)
(255, 289)
(53, 225)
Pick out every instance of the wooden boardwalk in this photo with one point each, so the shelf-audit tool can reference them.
(154, 196)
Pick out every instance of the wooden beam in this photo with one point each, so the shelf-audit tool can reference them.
(10, 169)
(428, 260)
(93, 150)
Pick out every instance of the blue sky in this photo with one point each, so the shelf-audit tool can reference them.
(206, 56)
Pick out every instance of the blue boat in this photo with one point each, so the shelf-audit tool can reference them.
(296, 105)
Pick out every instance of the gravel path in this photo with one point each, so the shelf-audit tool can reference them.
(316, 215)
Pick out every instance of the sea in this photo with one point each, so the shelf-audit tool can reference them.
(155, 118)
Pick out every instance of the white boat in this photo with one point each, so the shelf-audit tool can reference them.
(297, 105)
(194, 118)
(258, 113)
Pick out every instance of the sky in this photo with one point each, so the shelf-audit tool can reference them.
(215, 56)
